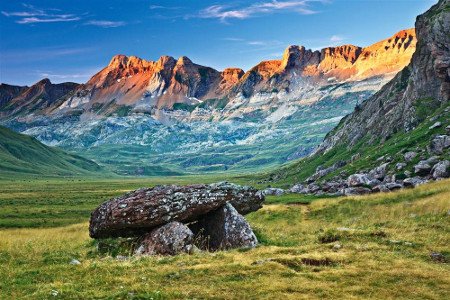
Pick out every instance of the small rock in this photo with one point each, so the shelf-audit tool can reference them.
(435, 125)
(273, 192)
(356, 180)
(447, 129)
(75, 262)
(356, 191)
(413, 181)
(400, 166)
(379, 172)
(441, 170)
(297, 189)
(54, 293)
(438, 257)
(337, 247)
(409, 156)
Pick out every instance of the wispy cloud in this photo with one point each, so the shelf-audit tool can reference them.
(336, 39)
(36, 15)
(226, 12)
(105, 23)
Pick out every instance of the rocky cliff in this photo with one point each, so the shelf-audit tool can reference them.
(416, 92)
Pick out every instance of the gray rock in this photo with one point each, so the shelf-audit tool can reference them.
(273, 192)
(75, 262)
(225, 228)
(413, 181)
(297, 189)
(447, 129)
(423, 168)
(400, 166)
(435, 125)
(356, 191)
(439, 144)
(379, 172)
(441, 170)
(170, 239)
(138, 212)
(409, 156)
(355, 180)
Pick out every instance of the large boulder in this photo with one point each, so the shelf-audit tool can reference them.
(223, 229)
(439, 144)
(423, 168)
(413, 181)
(441, 170)
(138, 212)
(379, 172)
(170, 239)
(355, 180)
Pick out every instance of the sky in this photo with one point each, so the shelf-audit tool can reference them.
(72, 40)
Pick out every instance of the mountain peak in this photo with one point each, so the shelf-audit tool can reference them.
(43, 82)
(184, 60)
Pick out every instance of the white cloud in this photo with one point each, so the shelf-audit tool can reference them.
(224, 12)
(35, 15)
(105, 24)
(336, 38)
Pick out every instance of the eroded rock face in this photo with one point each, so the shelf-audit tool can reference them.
(138, 212)
(225, 228)
(170, 239)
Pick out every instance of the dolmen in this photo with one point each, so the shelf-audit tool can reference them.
(171, 219)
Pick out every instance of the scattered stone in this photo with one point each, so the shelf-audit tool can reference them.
(356, 191)
(337, 247)
(409, 156)
(441, 170)
(355, 157)
(224, 229)
(138, 212)
(400, 166)
(423, 168)
(435, 125)
(439, 144)
(379, 172)
(54, 293)
(170, 239)
(297, 189)
(273, 192)
(438, 257)
(75, 262)
(356, 180)
(413, 181)
(447, 129)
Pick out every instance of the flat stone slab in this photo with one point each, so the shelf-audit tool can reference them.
(138, 212)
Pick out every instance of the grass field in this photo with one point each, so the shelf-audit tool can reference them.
(376, 246)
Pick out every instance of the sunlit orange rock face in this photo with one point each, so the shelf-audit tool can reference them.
(129, 80)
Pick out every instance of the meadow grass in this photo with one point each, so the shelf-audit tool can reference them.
(375, 246)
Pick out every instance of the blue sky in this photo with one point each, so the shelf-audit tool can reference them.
(72, 40)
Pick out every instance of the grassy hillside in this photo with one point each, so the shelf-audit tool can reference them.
(21, 155)
(381, 246)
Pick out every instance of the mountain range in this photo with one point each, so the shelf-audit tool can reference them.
(172, 115)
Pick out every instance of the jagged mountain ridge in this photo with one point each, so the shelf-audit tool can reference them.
(136, 82)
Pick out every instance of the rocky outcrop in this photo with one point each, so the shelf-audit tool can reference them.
(142, 210)
(423, 85)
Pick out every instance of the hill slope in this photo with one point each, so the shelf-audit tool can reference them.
(410, 114)
(23, 155)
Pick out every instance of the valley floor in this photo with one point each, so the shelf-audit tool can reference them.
(382, 246)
